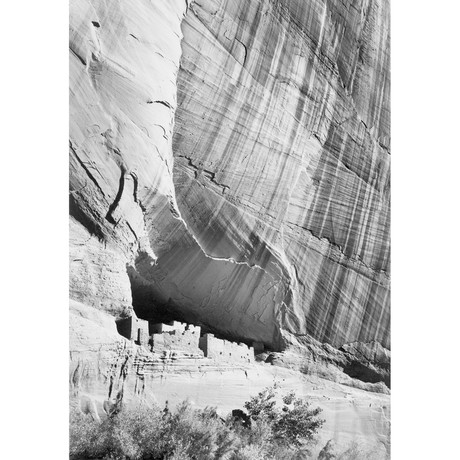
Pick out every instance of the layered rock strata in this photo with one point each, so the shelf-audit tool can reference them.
(281, 172)
(229, 167)
(124, 61)
(105, 367)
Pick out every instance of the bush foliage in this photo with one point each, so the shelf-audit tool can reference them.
(276, 431)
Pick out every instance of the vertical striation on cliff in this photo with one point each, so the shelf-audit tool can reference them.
(230, 165)
(230, 168)
(282, 163)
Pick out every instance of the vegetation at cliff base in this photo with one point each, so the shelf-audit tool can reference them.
(272, 427)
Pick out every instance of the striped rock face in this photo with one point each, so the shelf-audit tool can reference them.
(282, 166)
(232, 158)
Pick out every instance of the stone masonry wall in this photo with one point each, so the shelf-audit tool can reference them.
(224, 350)
(135, 329)
(158, 328)
(182, 338)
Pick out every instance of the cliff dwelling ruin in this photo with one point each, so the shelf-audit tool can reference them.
(187, 338)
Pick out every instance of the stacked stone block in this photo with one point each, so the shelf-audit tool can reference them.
(224, 350)
(176, 336)
(135, 329)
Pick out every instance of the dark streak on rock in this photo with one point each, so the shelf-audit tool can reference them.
(82, 163)
(136, 185)
(80, 58)
(165, 103)
(80, 214)
(132, 230)
(110, 386)
(211, 175)
(353, 260)
(113, 206)
(245, 50)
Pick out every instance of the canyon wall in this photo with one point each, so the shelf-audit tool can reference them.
(124, 61)
(281, 163)
(230, 167)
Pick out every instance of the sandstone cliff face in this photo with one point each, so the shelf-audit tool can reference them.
(281, 167)
(229, 164)
(123, 67)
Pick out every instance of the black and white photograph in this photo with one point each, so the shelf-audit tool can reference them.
(229, 230)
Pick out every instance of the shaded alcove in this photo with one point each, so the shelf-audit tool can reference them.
(359, 371)
(148, 306)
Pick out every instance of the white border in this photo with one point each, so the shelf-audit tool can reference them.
(425, 209)
(425, 250)
(34, 229)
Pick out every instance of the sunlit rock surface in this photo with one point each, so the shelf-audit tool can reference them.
(278, 217)
(123, 66)
(104, 365)
(281, 172)
(230, 167)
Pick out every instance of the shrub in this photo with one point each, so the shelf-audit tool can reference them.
(263, 406)
(298, 423)
(138, 432)
(250, 452)
(83, 435)
(200, 433)
(295, 424)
